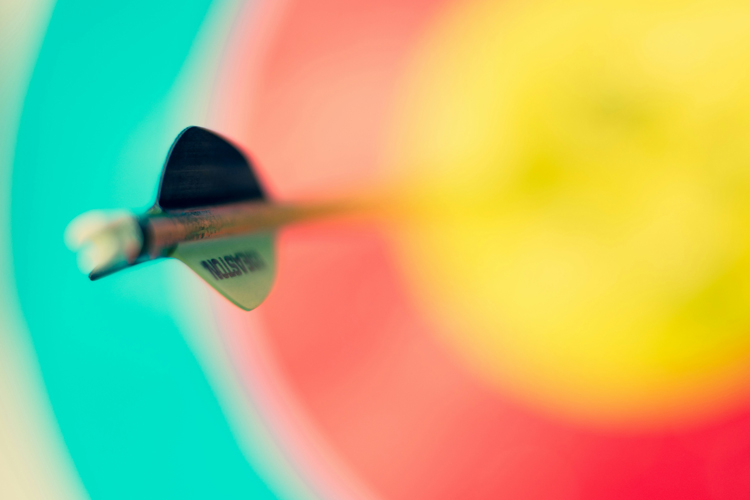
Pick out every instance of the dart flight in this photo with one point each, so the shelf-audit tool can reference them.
(211, 213)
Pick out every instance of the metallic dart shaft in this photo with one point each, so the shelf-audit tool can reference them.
(130, 240)
(163, 231)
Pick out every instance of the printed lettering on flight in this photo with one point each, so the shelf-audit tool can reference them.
(230, 266)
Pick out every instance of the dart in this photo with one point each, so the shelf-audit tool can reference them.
(211, 213)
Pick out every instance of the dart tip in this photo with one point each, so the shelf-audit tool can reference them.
(106, 241)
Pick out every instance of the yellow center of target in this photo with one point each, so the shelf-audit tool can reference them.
(590, 244)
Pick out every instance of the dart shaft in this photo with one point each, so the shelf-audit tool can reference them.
(164, 231)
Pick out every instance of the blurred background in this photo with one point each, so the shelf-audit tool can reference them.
(555, 303)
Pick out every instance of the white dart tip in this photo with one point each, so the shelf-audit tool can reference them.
(104, 240)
